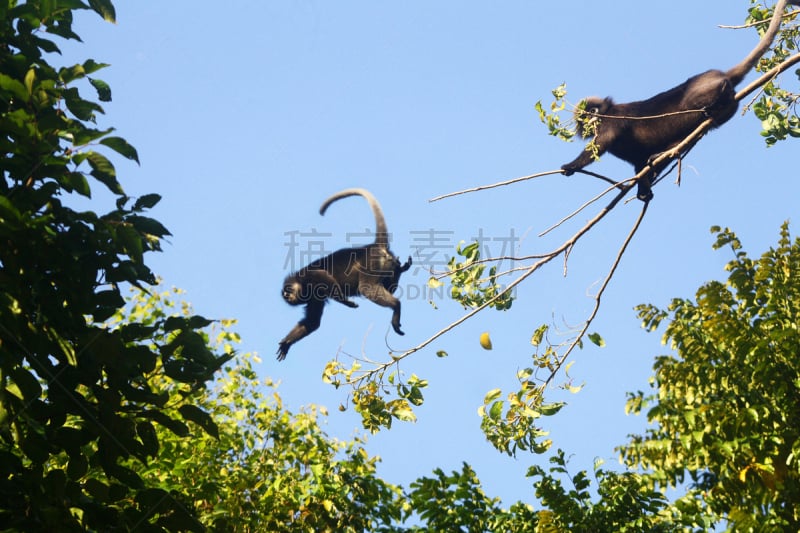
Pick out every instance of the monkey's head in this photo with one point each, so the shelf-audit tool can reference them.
(293, 291)
(586, 116)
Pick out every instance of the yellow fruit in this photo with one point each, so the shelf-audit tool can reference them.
(486, 342)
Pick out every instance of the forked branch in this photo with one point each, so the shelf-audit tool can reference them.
(623, 187)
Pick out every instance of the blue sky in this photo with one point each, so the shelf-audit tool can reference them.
(247, 117)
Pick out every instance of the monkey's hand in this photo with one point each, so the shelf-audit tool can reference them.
(283, 349)
(348, 303)
(568, 170)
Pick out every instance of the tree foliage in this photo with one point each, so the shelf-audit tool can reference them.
(76, 405)
(724, 410)
(726, 406)
(263, 468)
(106, 421)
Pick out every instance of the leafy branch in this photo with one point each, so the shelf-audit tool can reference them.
(511, 423)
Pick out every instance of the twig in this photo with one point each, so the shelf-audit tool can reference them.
(677, 152)
(581, 208)
(771, 73)
(755, 23)
(599, 295)
(493, 185)
(567, 245)
(596, 175)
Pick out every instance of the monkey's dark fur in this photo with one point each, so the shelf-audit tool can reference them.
(637, 132)
(370, 271)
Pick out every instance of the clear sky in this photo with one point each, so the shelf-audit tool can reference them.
(248, 114)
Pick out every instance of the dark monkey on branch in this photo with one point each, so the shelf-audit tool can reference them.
(637, 132)
(370, 271)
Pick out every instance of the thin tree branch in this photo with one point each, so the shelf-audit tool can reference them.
(499, 184)
(675, 154)
(768, 76)
(586, 204)
(599, 295)
(567, 245)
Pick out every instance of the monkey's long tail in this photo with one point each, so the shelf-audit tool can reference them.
(737, 73)
(381, 231)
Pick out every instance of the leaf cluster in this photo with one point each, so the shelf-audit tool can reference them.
(725, 407)
(469, 286)
(261, 468)
(624, 501)
(552, 118)
(77, 403)
(379, 397)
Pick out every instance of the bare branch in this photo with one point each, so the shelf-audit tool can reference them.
(567, 245)
(598, 296)
(755, 23)
(582, 207)
(596, 175)
(675, 154)
(499, 184)
(768, 76)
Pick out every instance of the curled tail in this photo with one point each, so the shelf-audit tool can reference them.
(381, 232)
(737, 73)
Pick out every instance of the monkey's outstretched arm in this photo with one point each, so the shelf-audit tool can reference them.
(305, 327)
(587, 156)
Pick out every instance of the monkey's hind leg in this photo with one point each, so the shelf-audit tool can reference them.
(644, 191)
(377, 293)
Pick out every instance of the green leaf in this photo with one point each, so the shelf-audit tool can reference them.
(147, 434)
(131, 241)
(102, 88)
(28, 384)
(198, 322)
(176, 426)
(90, 66)
(97, 489)
(30, 77)
(148, 225)
(36, 447)
(146, 202)
(78, 466)
(201, 418)
(492, 395)
(549, 409)
(496, 410)
(70, 74)
(66, 347)
(105, 9)
(126, 476)
(401, 410)
(82, 109)
(597, 339)
(104, 172)
(538, 335)
(77, 182)
(17, 89)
